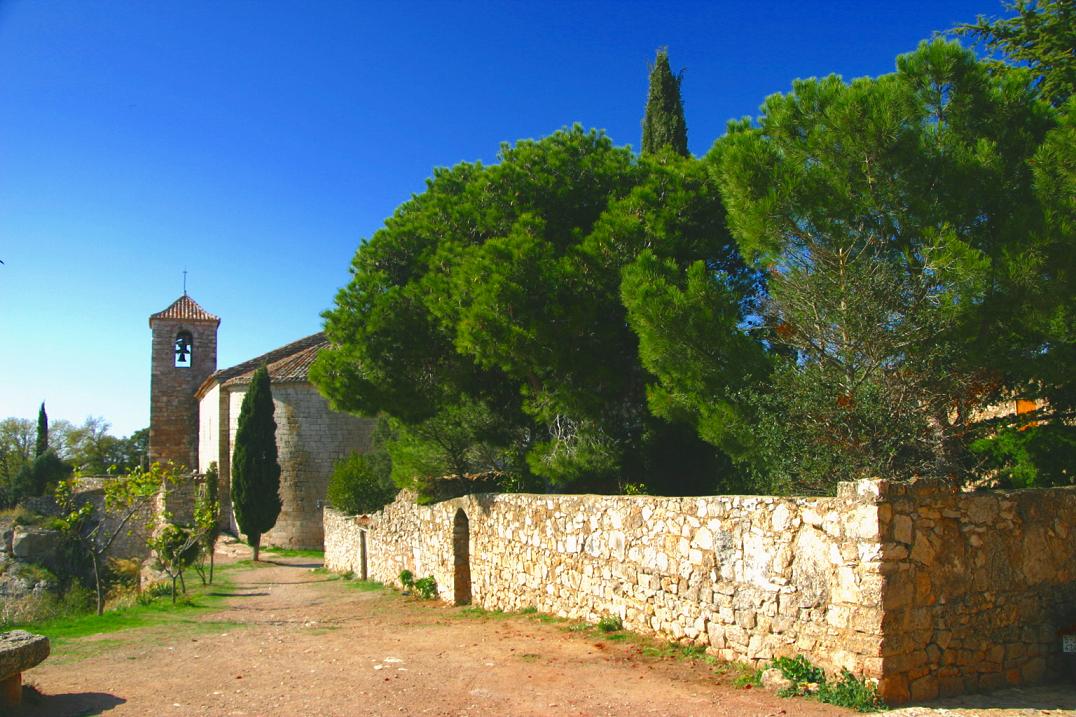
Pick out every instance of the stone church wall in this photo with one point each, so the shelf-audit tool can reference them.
(928, 590)
(310, 439)
(214, 445)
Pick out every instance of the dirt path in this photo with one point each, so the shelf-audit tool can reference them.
(296, 642)
(292, 641)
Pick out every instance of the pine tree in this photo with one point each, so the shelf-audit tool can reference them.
(255, 470)
(663, 124)
(42, 432)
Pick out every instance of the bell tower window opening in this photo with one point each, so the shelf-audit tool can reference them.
(184, 349)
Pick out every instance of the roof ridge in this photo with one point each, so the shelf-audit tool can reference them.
(248, 366)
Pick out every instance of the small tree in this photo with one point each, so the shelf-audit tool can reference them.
(42, 432)
(206, 519)
(664, 126)
(128, 500)
(177, 548)
(255, 470)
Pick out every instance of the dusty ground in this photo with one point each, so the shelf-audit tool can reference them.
(292, 641)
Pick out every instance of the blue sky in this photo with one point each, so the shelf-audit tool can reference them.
(257, 143)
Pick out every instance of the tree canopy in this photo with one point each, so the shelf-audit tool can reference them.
(486, 319)
(580, 317)
(1040, 37)
(912, 277)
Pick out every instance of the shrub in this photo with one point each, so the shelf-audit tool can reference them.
(360, 484)
(809, 680)
(800, 672)
(426, 587)
(851, 692)
(407, 579)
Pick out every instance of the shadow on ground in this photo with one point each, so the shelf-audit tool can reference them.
(317, 564)
(1045, 698)
(74, 704)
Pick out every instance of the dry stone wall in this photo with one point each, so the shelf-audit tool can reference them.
(927, 590)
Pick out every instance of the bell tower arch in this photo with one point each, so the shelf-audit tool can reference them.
(184, 354)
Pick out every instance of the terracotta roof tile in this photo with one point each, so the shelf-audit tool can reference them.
(287, 364)
(185, 309)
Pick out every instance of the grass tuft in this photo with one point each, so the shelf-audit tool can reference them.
(611, 623)
(290, 553)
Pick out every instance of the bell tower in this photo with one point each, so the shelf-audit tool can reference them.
(184, 355)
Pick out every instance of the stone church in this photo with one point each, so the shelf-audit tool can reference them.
(194, 415)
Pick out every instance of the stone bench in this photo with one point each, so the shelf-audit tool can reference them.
(19, 651)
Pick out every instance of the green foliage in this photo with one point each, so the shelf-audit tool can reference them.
(176, 548)
(128, 499)
(691, 339)
(851, 692)
(16, 451)
(1040, 35)
(610, 623)
(896, 218)
(42, 475)
(579, 318)
(21, 515)
(362, 483)
(810, 680)
(800, 672)
(44, 606)
(426, 587)
(664, 127)
(746, 676)
(207, 521)
(1029, 457)
(407, 579)
(149, 610)
(485, 319)
(255, 470)
(42, 444)
(92, 450)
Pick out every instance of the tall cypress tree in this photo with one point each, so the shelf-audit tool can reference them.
(663, 124)
(42, 432)
(255, 470)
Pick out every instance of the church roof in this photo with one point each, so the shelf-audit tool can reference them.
(287, 364)
(185, 309)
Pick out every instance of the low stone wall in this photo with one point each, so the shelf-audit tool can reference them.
(897, 582)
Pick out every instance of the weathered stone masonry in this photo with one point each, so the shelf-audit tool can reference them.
(927, 590)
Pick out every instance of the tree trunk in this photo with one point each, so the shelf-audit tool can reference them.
(182, 582)
(212, 551)
(97, 584)
(255, 543)
(174, 589)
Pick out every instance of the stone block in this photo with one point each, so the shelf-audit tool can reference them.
(902, 529)
(35, 545)
(923, 689)
(21, 650)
